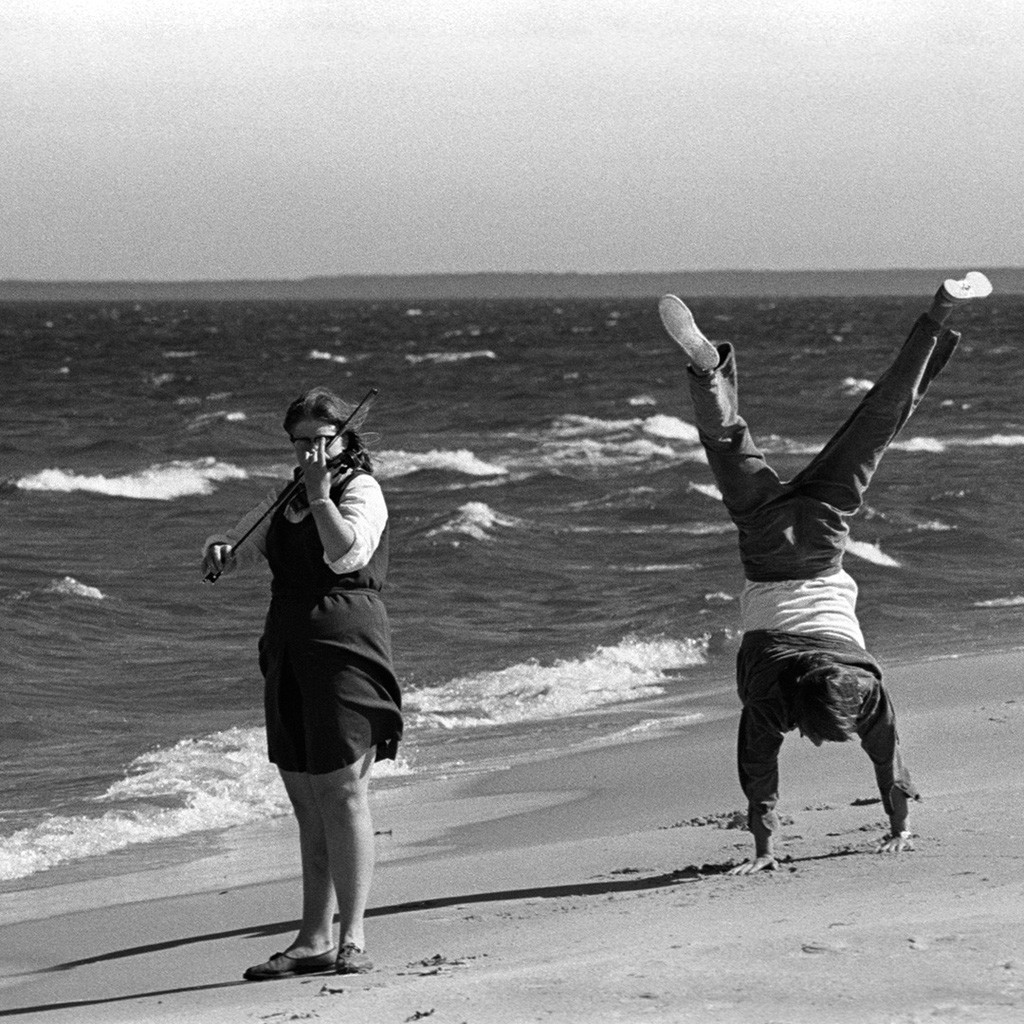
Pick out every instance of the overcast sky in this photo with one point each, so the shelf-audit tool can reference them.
(177, 139)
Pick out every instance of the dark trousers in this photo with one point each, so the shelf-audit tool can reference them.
(798, 530)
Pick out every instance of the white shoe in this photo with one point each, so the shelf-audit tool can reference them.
(974, 285)
(683, 329)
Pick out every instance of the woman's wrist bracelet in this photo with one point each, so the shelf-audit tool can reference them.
(320, 501)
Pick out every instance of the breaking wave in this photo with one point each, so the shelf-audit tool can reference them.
(197, 785)
(161, 482)
(474, 519)
(628, 670)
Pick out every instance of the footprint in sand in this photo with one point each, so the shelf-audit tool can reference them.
(823, 947)
(916, 942)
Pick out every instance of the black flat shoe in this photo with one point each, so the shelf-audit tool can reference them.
(281, 965)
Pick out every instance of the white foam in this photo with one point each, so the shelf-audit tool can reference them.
(939, 445)
(160, 482)
(224, 779)
(934, 526)
(216, 782)
(671, 428)
(475, 519)
(573, 425)
(787, 446)
(655, 567)
(709, 490)
(857, 385)
(870, 553)
(697, 529)
(222, 415)
(197, 785)
(992, 441)
(450, 357)
(400, 463)
(999, 602)
(331, 357)
(707, 529)
(920, 444)
(589, 452)
(629, 670)
(587, 442)
(72, 588)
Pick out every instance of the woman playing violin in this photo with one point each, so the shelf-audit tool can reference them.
(333, 706)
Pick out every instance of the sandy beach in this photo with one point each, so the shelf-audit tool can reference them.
(592, 887)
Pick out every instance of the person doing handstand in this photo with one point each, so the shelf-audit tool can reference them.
(803, 663)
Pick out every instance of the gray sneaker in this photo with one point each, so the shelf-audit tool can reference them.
(683, 330)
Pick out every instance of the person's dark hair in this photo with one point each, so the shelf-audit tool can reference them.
(827, 701)
(320, 403)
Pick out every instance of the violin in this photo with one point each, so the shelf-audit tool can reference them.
(346, 460)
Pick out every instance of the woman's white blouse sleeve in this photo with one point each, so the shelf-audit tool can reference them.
(256, 543)
(362, 506)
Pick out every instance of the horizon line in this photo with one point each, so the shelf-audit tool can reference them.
(377, 275)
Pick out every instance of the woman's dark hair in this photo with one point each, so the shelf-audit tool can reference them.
(827, 702)
(319, 403)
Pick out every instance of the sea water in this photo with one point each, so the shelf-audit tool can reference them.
(563, 571)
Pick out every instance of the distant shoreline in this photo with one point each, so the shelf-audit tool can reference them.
(414, 287)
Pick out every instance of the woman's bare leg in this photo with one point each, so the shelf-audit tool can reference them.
(343, 799)
(316, 932)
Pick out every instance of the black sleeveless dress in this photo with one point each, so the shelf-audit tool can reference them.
(330, 690)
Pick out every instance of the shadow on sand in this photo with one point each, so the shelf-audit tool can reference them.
(691, 873)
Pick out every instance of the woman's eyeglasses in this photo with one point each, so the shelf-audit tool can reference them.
(310, 442)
